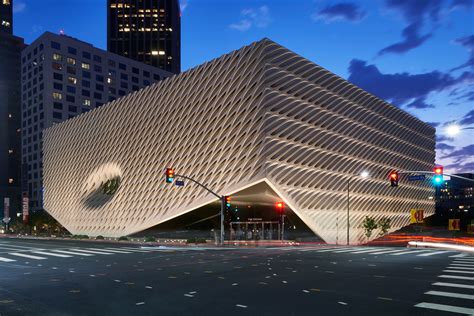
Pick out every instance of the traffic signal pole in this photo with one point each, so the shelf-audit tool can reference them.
(220, 197)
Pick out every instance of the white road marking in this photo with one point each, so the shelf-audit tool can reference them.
(342, 303)
(450, 294)
(455, 277)
(26, 256)
(447, 308)
(133, 249)
(462, 286)
(384, 252)
(140, 303)
(370, 250)
(109, 250)
(408, 252)
(432, 253)
(460, 267)
(95, 252)
(464, 261)
(51, 254)
(329, 249)
(241, 306)
(6, 259)
(458, 271)
(73, 253)
(461, 255)
(188, 295)
(350, 249)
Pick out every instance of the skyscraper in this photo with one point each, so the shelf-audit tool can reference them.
(146, 30)
(10, 110)
(63, 77)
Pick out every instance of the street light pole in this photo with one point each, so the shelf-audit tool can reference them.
(348, 208)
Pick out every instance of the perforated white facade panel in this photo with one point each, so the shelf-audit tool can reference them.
(261, 113)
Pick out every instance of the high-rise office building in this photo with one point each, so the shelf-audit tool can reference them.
(10, 110)
(146, 30)
(63, 77)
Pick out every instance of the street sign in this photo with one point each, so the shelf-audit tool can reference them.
(179, 183)
(418, 177)
(416, 216)
(454, 224)
(25, 210)
(6, 210)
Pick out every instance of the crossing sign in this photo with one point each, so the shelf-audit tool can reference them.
(454, 224)
(416, 216)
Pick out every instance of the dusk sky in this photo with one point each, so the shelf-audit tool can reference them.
(416, 54)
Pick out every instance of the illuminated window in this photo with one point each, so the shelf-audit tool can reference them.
(57, 57)
(10, 180)
(72, 80)
(6, 2)
(10, 151)
(86, 102)
(57, 96)
(86, 66)
(71, 61)
(5, 23)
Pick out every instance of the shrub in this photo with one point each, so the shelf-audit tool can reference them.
(191, 240)
(201, 240)
(369, 225)
(80, 236)
(100, 237)
(150, 239)
(123, 238)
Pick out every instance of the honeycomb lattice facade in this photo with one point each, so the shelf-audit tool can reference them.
(261, 113)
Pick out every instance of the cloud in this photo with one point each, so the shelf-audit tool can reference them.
(443, 146)
(183, 4)
(442, 138)
(467, 4)
(403, 89)
(18, 6)
(468, 119)
(468, 43)
(460, 154)
(341, 11)
(416, 13)
(461, 168)
(434, 124)
(258, 17)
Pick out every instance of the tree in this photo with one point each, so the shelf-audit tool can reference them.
(369, 225)
(385, 224)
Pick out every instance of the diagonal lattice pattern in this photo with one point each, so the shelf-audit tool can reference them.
(261, 113)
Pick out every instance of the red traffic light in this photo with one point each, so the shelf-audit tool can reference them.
(169, 175)
(393, 178)
(438, 170)
(280, 207)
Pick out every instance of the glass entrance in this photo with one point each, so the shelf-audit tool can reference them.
(255, 230)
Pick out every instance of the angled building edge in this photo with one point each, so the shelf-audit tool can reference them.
(260, 113)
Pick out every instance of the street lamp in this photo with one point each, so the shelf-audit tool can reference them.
(364, 174)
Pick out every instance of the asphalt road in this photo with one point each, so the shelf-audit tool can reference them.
(81, 278)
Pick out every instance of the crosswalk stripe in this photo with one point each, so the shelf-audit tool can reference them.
(370, 250)
(328, 249)
(51, 254)
(458, 271)
(446, 308)
(456, 277)
(384, 252)
(6, 259)
(432, 253)
(73, 253)
(464, 261)
(348, 250)
(460, 267)
(408, 252)
(462, 286)
(450, 294)
(461, 255)
(25, 255)
(95, 252)
(108, 250)
(134, 249)
(18, 249)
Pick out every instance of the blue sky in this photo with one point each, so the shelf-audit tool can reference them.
(416, 54)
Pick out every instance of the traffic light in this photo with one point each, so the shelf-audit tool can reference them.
(280, 207)
(394, 178)
(438, 177)
(169, 175)
(227, 202)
